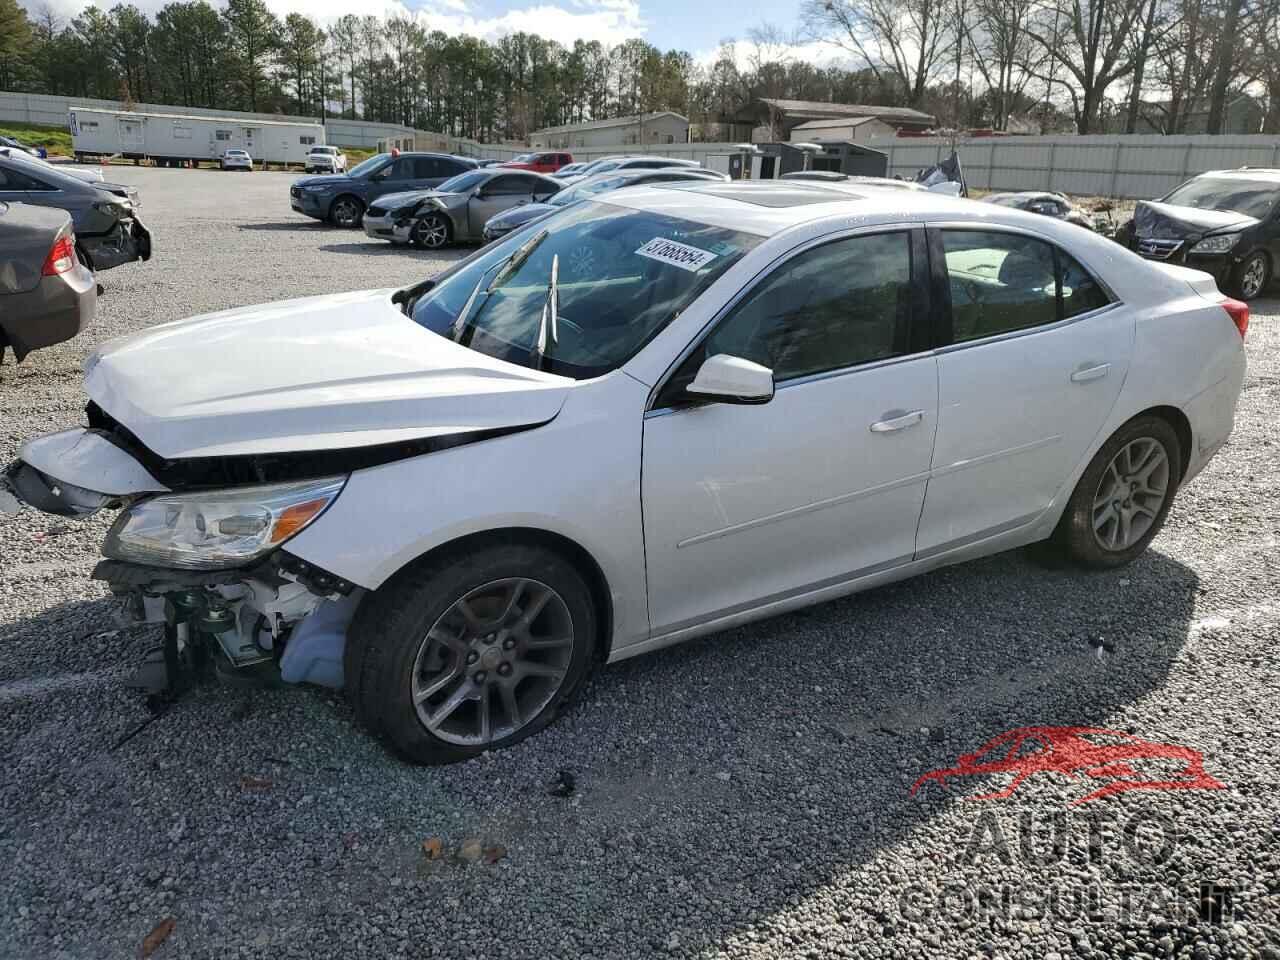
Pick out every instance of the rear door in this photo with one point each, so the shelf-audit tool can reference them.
(1037, 352)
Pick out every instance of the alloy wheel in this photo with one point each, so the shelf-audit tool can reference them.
(346, 213)
(493, 661)
(1253, 277)
(431, 233)
(1130, 494)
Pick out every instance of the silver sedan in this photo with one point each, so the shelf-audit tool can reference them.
(457, 210)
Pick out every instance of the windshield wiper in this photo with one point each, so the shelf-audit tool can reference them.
(550, 310)
(505, 269)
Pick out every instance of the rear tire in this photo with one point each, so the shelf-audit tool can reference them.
(1121, 501)
(440, 662)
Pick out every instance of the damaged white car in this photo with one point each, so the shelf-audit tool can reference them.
(647, 419)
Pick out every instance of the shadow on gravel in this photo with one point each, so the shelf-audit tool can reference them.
(384, 248)
(288, 225)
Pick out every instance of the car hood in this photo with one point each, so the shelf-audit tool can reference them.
(322, 373)
(324, 179)
(523, 214)
(1167, 221)
(394, 201)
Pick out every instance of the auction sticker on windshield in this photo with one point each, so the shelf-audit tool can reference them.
(677, 254)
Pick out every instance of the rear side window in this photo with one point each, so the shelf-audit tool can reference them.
(11, 179)
(838, 305)
(1004, 282)
(509, 186)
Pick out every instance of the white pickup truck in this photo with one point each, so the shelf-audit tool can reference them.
(324, 159)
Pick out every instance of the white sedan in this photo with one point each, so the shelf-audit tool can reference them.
(642, 419)
(237, 160)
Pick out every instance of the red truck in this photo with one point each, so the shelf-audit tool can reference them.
(540, 162)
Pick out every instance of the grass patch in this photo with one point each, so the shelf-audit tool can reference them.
(56, 140)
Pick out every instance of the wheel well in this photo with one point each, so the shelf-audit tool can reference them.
(575, 553)
(1181, 426)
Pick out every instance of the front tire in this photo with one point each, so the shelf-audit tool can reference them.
(1251, 276)
(347, 212)
(471, 652)
(430, 233)
(1121, 501)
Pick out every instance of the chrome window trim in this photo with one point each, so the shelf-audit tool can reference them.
(751, 284)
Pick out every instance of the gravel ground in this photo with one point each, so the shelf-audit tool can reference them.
(742, 796)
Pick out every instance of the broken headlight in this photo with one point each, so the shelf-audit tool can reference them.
(1219, 244)
(218, 528)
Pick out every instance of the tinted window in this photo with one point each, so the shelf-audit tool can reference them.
(835, 306)
(999, 282)
(462, 182)
(509, 186)
(402, 169)
(11, 179)
(1081, 292)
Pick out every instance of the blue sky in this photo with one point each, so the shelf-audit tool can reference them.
(696, 27)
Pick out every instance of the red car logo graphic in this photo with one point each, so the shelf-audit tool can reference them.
(1075, 752)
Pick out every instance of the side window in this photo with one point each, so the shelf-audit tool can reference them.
(1000, 282)
(11, 179)
(1081, 292)
(837, 305)
(402, 169)
(508, 186)
(427, 167)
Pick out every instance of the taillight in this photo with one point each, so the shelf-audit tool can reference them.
(61, 258)
(1238, 310)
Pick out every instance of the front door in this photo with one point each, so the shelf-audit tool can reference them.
(744, 504)
(495, 195)
(1024, 388)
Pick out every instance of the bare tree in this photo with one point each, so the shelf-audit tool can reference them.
(1003, 52)
(771, 51)
(903, 42)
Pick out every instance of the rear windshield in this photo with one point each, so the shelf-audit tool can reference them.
(1253, 198)
(621, 276)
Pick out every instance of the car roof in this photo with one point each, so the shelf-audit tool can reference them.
(1244, 173)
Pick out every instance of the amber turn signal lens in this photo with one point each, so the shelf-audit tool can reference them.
(296, 517)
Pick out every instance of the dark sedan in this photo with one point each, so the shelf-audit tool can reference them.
(105, 215)
(1224, 222)
(342, 198)
(46, 294)
(504, 223)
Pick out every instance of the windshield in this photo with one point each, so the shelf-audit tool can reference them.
(623, 275)
(369, 166)
(588, 188)
(463, 182)
(523, 158)
(1253, 198)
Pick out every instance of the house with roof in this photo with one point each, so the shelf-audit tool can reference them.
(845, 130)
(770, 118)
(660, 127)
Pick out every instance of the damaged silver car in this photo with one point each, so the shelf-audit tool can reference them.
(105, 215)
(457, 210)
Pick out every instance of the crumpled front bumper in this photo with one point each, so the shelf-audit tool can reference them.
(128, 240)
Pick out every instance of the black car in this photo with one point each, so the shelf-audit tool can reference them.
(1224, 222)
(342, 198)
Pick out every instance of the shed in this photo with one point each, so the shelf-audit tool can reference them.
(840, 156)
(848, 129)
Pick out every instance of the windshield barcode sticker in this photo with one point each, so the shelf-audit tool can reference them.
(677, 254)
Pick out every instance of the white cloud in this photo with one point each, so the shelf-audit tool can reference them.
(816, 52)
(609, 21)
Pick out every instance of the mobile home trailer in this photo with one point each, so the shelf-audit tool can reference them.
(170, 139)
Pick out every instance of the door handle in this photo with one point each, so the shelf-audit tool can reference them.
(899, 421)
(1091, 373)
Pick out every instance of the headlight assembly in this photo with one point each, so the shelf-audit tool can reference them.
(1219, 244)
(315, 187)
(217, 529)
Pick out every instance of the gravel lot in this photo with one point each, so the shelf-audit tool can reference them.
(741, 796)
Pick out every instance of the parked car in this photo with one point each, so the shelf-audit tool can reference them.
(1044, 203)
(488, 162)
(569, 169)
(1224, 222)
(502, 224)
(105, 215)
(15, 144)
(342, 198)
(834, 177)
(237, 160)
(46, 294)
(457, 210)
(629, 163)
(87, 174)
(325, 159)
(539, 162)
(435, 496)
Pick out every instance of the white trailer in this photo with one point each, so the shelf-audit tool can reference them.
(172, 139)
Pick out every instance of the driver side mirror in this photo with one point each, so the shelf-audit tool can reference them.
(732, 380)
